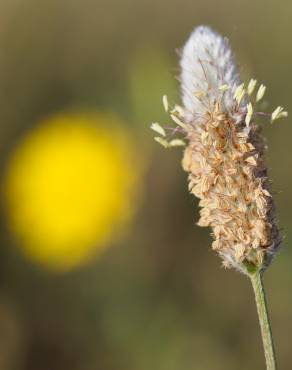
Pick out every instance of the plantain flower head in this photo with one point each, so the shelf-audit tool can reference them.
(224, 152)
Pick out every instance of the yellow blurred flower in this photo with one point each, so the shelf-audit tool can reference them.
(69, 184)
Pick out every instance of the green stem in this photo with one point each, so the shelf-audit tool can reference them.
(262, 309)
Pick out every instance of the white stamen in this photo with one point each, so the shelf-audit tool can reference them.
(261, 92)
(178, 110)
(224, 87)
(165, 103)
(239, 93)
(279, 113)
(283, 114)
(251, 86)
(249, 114)
(176, 142)
(161, 141)
(178, 121)
(157, 128)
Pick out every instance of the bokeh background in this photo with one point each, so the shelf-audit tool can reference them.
(101, 264)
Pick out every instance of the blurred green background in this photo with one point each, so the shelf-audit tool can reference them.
(156, 297)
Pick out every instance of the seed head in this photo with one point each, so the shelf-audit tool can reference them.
(224, 154)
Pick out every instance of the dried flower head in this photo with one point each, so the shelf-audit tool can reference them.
(224, 152)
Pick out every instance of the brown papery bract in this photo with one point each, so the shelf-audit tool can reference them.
(226, 169)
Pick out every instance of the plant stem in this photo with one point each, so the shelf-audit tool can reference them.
(257, 283)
